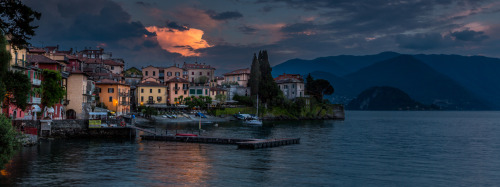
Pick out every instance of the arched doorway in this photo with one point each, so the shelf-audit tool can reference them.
(14, 114)
(70, 114)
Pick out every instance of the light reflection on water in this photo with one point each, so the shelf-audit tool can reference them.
(368, 149)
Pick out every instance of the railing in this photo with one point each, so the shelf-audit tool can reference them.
(36, 82)
(151, 102)
(124, 94)
(124, 103)
(177, 88)
(185, 88)
(35, 100)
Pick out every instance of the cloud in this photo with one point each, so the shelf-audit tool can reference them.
(469, 35)
(174, 25)
(247, 29)
(184, 42)
(423, 41)
(224, 15)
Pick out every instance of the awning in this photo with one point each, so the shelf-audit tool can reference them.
(35, 108)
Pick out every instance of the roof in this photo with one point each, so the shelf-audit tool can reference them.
(90, 60)
(177, 79)
(238, 72)
(112, 63)
(40, 59)
(289, 80)
(149, 84)
(36, 50)
(219, 78)
(217, 89)
(108, 81)
(196, 66)
(289, 76)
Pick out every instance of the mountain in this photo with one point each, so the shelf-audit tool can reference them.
(386, 98)
(412, 76)
(338, 65)
(476, 73)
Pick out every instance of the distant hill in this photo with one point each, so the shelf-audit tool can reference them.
(452, 81)
(338, 65)
(386, 98)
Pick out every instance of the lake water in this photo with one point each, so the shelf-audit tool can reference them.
(367, 149)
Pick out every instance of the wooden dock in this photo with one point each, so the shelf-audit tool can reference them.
(242, 143)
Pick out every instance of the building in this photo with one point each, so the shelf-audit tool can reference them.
(114, 95)
(176, 87)
(114, 65)
(80, 94)
(292, 85)
(172, 71)
(214, 91)
(151, 71)
(240, 76)
(152, 93)
(233, 90)
(133, 77)
(196, 71)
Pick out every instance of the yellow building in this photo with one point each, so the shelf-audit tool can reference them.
(114, 95)
(80, 96)
(151, 93)
(176, 87)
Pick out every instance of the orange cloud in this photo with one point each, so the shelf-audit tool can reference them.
(182, 42)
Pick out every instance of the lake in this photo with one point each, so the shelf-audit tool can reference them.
(367, 149)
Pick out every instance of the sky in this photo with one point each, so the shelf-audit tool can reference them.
(226, 33)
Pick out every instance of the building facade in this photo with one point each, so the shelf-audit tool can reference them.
(151, 93)
(176, 87)
(292, 85)
(240, 76)
(114, 95)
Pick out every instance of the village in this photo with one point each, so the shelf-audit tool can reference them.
(95, 82)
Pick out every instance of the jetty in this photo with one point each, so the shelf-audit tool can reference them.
(242, 143)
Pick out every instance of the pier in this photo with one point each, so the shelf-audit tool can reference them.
(241, 142)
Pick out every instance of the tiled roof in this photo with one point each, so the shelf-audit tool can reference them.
(112, 63)
(40, 59)
(238, 72)
(149, 83)
(177, 79)
(36, 50)
(196, 66)
(289, 80)
(108, 81)
(288, 76)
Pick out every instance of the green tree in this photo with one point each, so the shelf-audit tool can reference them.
(15, 20)
(268, 89)
(320, 87)
(4, 65)
(221, 98)
(8, 141)
(201, 80)
(309, 80)
(18, 85)
(255, 76)
(52, 92)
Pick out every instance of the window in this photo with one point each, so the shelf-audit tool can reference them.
(200, 73)
(293, 85)
(192, 79)
(177, 74)
(112, 67)
(238, 78)
(99, 89)
(154, 73)
(199, 91)
(206, 92)
(150, 98)
(159, 90)
(142, 90)
(146, 73)
(150, 90)
(169, 73)
(175, 92)
(110, 99)
(158, 98)
(208, 73)
(192, 91)
(111, 90)
(192, 73)
(185, 92)
(142, 98)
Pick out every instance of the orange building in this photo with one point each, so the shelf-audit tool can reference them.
(114, 95)
(176, 87)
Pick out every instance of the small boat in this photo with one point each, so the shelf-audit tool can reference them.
(192, 135)
(254, 120)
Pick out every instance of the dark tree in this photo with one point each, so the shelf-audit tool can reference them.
(15, 20)
(268, 89)
(255, 76)
(18, 87)
(52, 91)
(309, 80)
(318, 88)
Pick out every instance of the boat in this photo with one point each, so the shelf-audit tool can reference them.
(254, 120)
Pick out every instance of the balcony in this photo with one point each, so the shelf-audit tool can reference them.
(124, 94)
(124, 103)
(177, 88)
(35, 100)
(36, 82)
(185, 88)
(151, 102)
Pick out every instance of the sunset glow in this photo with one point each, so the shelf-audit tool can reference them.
(183, 42)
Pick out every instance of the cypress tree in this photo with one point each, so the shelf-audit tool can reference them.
(268, 89)
(255, 76)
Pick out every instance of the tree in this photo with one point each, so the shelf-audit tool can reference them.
(52, 92)
(268, 89)
(221, 98)
(7, 140)
(320, 87)
(255, 76)
(309, 80)
(5, 58)
(201, 80)
(15, 21)
(18, 87)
